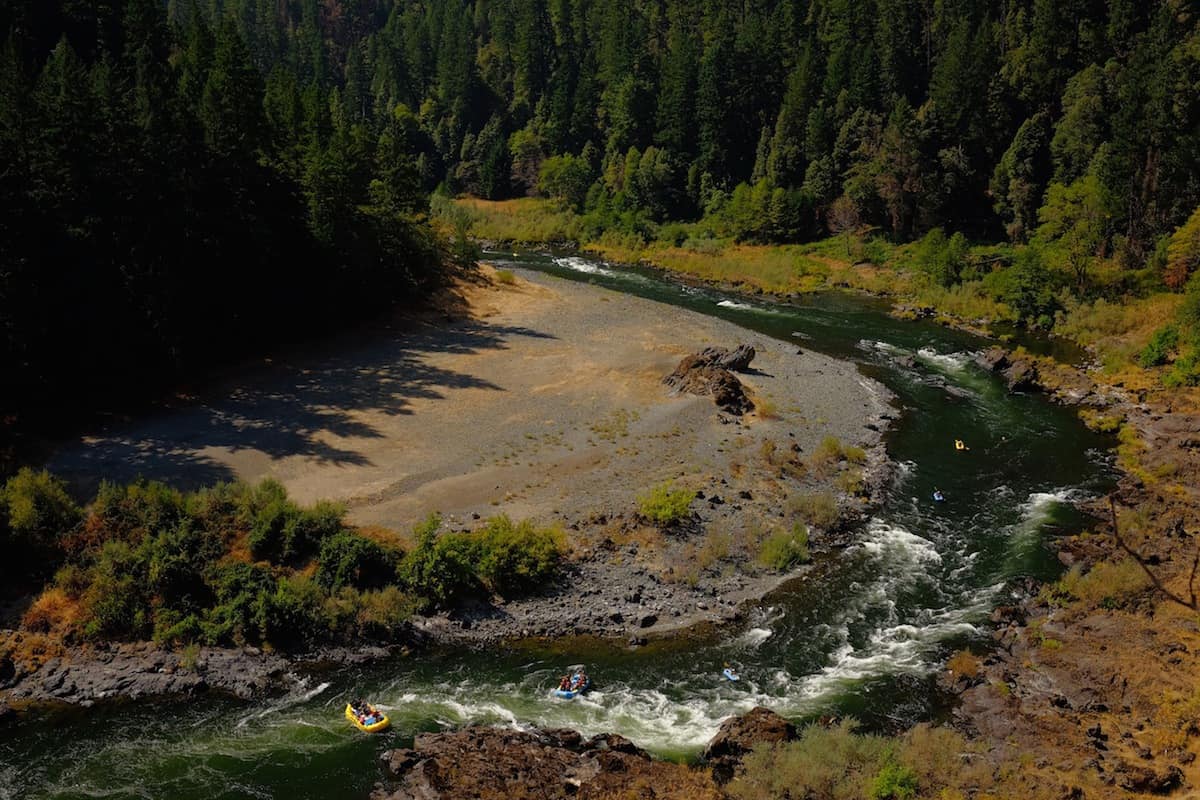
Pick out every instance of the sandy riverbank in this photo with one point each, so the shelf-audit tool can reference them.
(543, 400)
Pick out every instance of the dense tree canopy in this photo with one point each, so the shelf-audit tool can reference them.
(180, 175)
(182, 189)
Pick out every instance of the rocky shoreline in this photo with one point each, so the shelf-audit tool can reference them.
(552, 764)
(1099, 696)
(87, 675)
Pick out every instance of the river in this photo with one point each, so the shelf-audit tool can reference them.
(861, 634)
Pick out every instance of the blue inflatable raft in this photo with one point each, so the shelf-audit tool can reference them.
(730, 675)
(570, 694)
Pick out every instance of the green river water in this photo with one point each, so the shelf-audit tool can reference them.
(861, 634)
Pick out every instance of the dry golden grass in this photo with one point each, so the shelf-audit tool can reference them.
(54, 612)
(526, 219)
(964, 664)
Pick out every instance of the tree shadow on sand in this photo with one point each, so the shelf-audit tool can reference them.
(307, 406)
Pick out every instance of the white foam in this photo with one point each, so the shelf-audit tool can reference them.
(754, 637)
(737, 305)
(897, 544)
(577, 264)
(954, 362)
(285, 703)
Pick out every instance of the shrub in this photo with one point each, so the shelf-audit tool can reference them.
(134, 511)
(176, 562)
(1159, 348)
(964, 664)
(1027, 286)
(237, 617)
(784, 549)
(306, 529)
(439, 569)
(266, 531)
(1107, 585)
(1185, 371)
(824, 763)
(292, 614)
(172, 627)
(506, 277)
(819, 510)
(347, 559)
(894, 782)
(518, 558)
(115, 603)
(664, 505)
(282, 532)
(39, 515)
(54, 611)
(381, 613)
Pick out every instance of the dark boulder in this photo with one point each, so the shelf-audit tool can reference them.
(708, 373)
(738, 735)
(493, 762)
(7, 715)
(1021, 376)
(993, 359)
(1148, 780)
(737, 360)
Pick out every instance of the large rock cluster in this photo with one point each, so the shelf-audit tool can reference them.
(710, 373)
(480, 762)
(144, 670)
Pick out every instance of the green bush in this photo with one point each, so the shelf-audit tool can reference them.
(942, 259)
(518, 558)
(237, 618)
(176, 562)
(1159, 348)
(347, 559)
(784, 549)
(1186, 369)
(292, 614)
(39, 514)
(665, 505)
(133, 511)
(440, 569)
(380, 613)
(894, 782)
(819, 510)
(282, 532)
(1027, 286)
(826, 763)
(115, 602)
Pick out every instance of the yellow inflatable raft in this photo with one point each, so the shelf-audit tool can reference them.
(382, 725)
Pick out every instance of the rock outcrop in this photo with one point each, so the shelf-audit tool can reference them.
(481, 762)
(493, 762)
(710, 373)
(144, 670)
(738, 735)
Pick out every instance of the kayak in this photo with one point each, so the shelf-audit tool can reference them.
(730, 675)
(375, 727)
(571, 694)
(938, 497)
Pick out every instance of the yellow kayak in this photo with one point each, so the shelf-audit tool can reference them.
(382, 725)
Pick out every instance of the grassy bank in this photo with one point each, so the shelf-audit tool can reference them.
(1118, 316)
